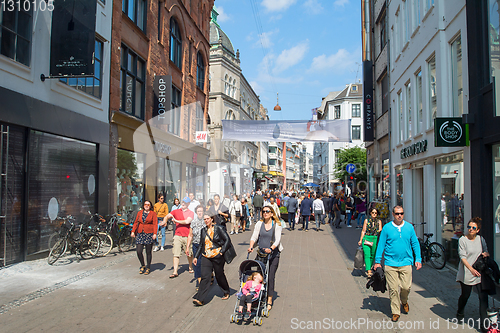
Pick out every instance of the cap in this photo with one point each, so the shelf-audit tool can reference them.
(186, 200)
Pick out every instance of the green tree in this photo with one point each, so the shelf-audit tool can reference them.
(356, 156)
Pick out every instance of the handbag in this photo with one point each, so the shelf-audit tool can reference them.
(359, 258)
(237, 213)
(230, 254)
(367, 243)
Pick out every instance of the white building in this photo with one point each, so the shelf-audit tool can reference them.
(345, 104)
(428, 79)
(56, 132)
(231, 163)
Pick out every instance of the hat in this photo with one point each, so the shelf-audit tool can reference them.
(186, 200)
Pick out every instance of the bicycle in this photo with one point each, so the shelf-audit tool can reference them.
(86, 244)
(432, 251)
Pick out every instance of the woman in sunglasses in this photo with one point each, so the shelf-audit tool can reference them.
(267, 235)
(372, 227)
(470, 247)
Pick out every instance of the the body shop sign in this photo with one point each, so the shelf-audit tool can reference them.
(449, 132)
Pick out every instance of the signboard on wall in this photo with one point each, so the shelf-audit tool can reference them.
(449, 132)
(162, 101)
(368, 121)
(72, 40)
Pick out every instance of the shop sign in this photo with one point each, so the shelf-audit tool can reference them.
(162, 87)
(195, 158)
(162, 148)
(449, 132)
(369, 128)
(201, 136)
(416, 148)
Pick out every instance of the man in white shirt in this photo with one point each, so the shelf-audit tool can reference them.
(193, 204)
(318, 210)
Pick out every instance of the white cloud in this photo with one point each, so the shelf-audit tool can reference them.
(265, 39)
(290, 57)
(223, 17)
(337, 62)
(257, 87)
(341, 3)
(277, 5)
(313, 7)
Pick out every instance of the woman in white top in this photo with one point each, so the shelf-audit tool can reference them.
(318, 210)
(235, 210)
(470, 247)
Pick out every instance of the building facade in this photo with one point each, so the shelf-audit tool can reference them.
(54, 133)
(428, 81)
(232, 163)
(159, 100)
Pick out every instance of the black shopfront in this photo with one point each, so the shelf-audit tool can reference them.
(54, 162)
(483, 35)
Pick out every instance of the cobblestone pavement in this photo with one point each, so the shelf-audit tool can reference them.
(317, 290)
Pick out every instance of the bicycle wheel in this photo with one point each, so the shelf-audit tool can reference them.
(437, 255)
(57, 251)
(125, 241)
(90, 247)
(106, 244)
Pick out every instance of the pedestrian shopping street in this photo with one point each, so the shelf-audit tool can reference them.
(315, 285)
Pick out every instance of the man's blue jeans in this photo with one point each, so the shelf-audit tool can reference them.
(291, 220)
(306, 221)
(162, 232)
(349, 216)
(318, 216)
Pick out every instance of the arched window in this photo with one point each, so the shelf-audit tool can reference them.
(200, 73)
(175, 43)
(234, 89)
(230, 115)
(226, 85)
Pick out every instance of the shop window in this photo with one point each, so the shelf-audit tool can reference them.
(15, 33)
(399, 185)
(172, 187)
(130, 169)
(450, 203)
(64, 170)
(496, 199)
(133, 72)
(90, 85)
(386, 181)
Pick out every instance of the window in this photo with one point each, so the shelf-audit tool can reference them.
(136, 11)
(383, 31)
(397, 34)
(15, 35)
(337, 155)
(90, 85)
(272, 150)
(175, 43)
(337, 111)
(356, 110)
(456, 77)
(199, 118)
(226, 85)
(132, 78)
(200, 72)
(418, 92)
(408, 110)
(175, 113)
(407, 19)
(356, 132)
(432, 102)
(400, 116)
(160, 22)
(415, 14)
(385, 93)
(428, 4)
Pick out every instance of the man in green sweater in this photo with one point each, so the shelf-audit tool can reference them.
(398, 242)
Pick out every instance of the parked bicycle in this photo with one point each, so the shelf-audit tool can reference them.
(80, 240)
(432, 252)
(114, 232)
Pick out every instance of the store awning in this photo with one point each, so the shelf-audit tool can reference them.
(276, 173)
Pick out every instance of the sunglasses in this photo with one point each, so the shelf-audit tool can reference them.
(471, 227)
(399, 214)
(374, 213)
(266, 211)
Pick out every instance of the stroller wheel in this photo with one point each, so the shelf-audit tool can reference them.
(260, 321)
(232, 318)
(255, 321)
(265, 313)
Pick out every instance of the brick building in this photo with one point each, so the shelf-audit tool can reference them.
(152, 139)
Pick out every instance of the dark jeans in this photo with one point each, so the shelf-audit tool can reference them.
(207, 266)
(464, 297)
(336, 222)
(149, 254)
(305, 221)
(291, 220)
(257, 213)
(197, 267)
(273, 267)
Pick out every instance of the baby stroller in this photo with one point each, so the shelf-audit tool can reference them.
(259, 310)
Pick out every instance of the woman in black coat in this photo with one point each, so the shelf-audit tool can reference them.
(214, 241)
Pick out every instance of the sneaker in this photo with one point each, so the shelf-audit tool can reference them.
(155, 249)
(162, 249)
(247, 316)
(406, 308)
(236, 232)
(349, 226)
(231, 233)
(395, 318)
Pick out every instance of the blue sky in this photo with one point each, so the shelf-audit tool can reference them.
(302, 49)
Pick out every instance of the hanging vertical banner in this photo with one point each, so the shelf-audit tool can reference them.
(162, 102)
(73, 38)
(287, 131)
(368, 120)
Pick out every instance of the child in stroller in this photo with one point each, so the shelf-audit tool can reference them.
(249, 293)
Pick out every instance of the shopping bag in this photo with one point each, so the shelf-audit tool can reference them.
(359, 258)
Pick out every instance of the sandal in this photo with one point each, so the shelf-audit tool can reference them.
(173, 276)
(226, 296)
(147, 271)
(269, 307)
(141, 270)
(191, 271)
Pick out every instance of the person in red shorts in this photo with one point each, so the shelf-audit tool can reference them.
(182, 218)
